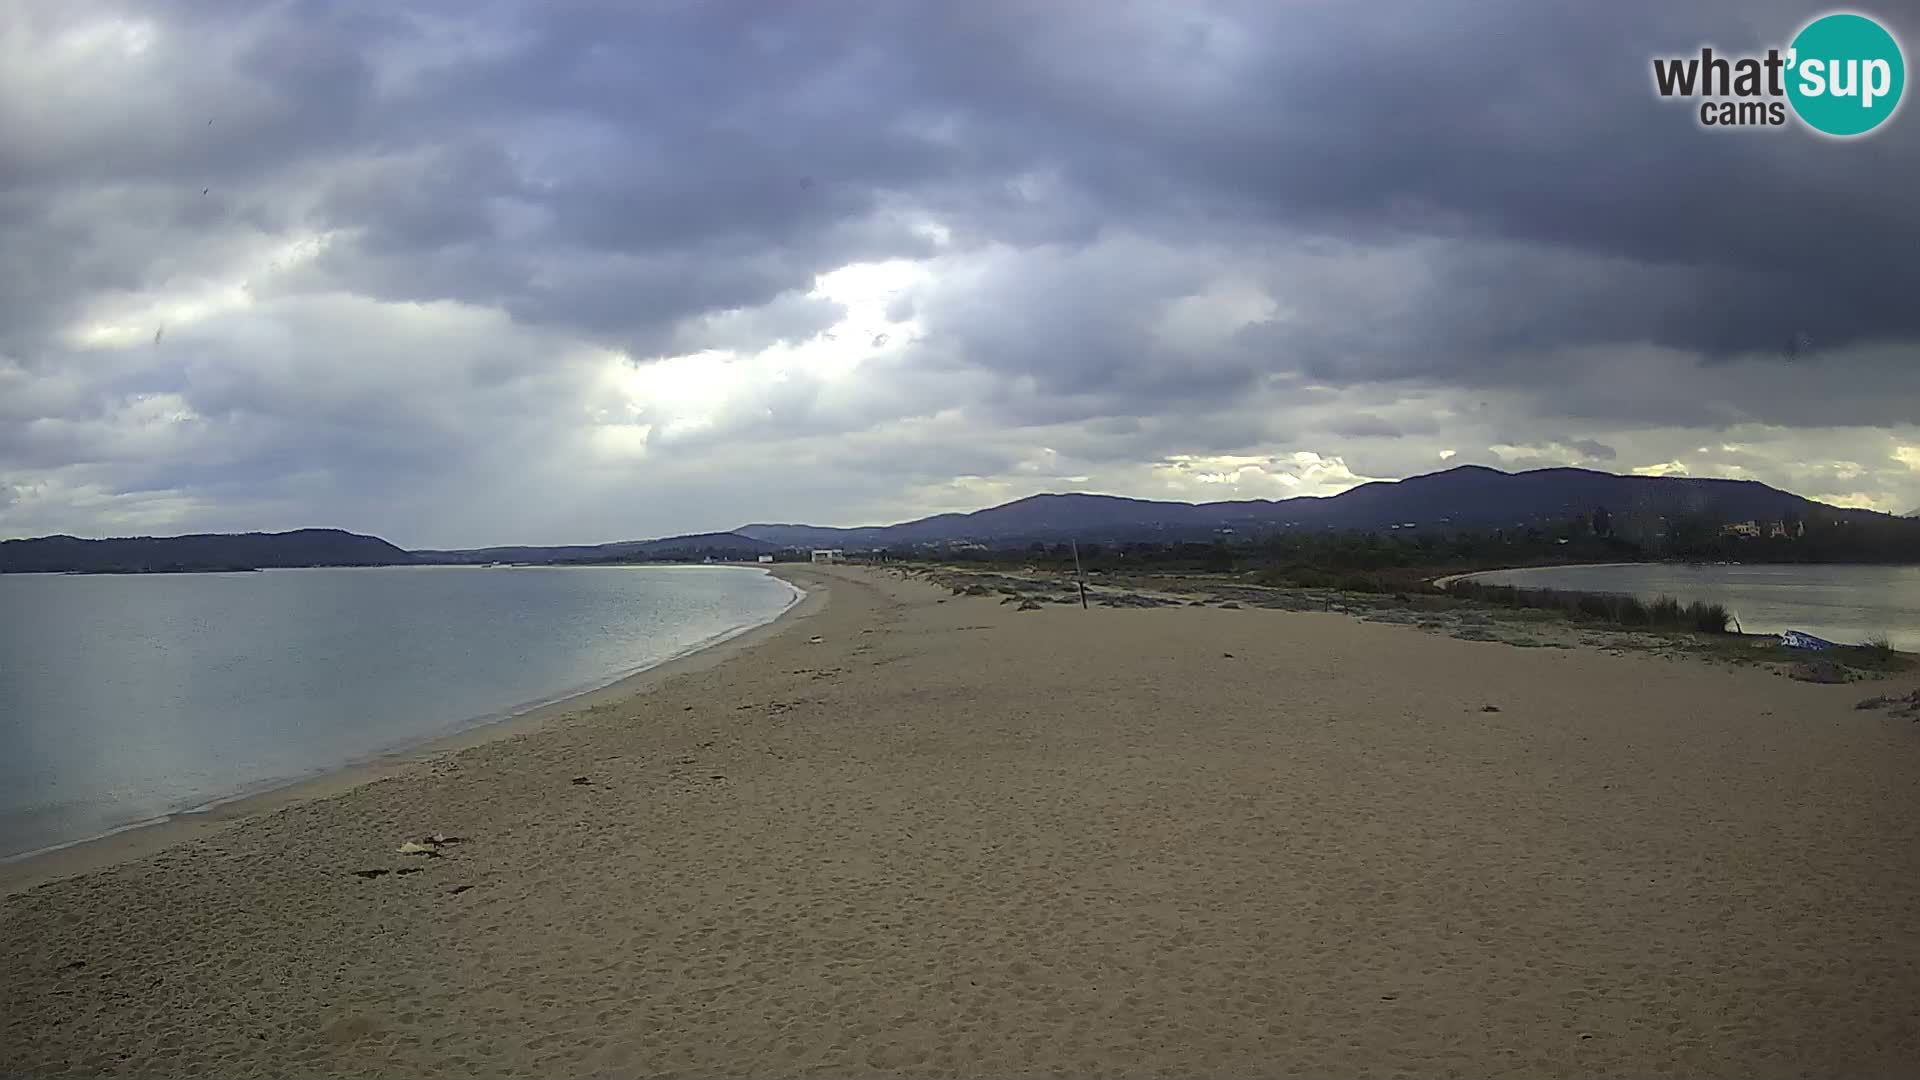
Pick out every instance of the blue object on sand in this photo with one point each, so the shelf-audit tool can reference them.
(1794, 639)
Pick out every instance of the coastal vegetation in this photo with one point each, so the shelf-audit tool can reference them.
(1664, 612)
(1420, 570)
(1390, 560)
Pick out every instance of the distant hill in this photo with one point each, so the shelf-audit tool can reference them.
(722, 545)
(329, 547)
(471, 556)
(205, 551)
(1469, 496)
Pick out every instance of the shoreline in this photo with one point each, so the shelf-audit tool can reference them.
(137, 840)
(948, 834)
(1443, 582)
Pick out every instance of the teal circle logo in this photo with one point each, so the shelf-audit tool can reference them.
(1846, 74)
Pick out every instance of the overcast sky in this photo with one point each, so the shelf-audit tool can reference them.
(473, 273)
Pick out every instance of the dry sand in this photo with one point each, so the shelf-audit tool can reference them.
(957, 838)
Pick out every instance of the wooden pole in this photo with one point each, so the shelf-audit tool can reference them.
(1079, 574)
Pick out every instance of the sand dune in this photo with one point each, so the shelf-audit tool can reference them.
(956, 838)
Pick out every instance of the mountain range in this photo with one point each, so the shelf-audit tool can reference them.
(1466, 497)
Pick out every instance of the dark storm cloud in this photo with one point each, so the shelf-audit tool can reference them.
(721, 132)
(423, 202)
(1525, 123)
(1556, 141)
(1152, 229)
(1365, 423)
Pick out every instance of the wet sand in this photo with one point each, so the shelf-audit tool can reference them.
(953, 837)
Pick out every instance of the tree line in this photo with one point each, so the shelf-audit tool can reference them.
(1392, 558)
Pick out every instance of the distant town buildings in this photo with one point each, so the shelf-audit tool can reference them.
(828, 555)
(1774, 530)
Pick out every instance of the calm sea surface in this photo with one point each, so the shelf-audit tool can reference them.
(128, 698)
(1848, 604)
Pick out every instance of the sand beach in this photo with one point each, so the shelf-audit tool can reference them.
(908, 832)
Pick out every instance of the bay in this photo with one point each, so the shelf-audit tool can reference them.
(128, 698)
